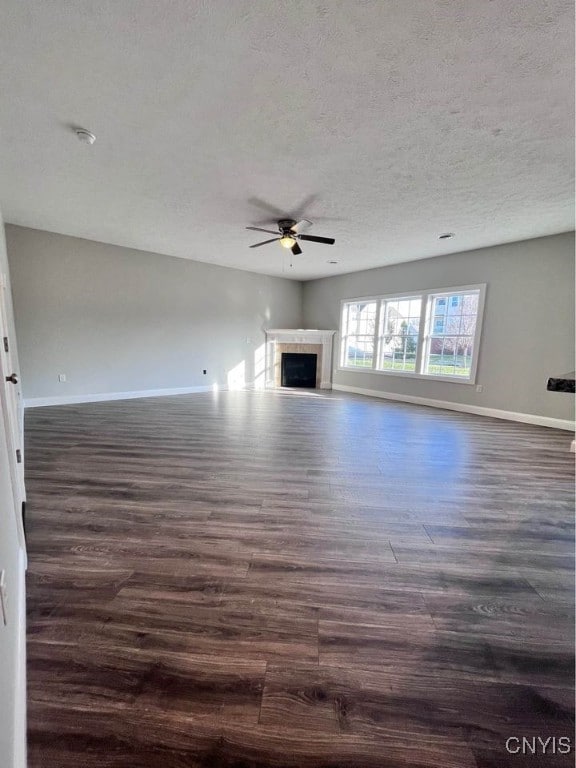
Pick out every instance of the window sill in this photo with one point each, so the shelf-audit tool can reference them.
(406, 375)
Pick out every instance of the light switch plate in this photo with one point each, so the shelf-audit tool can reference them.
(61, 377)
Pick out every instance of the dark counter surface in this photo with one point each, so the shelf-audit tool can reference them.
(563, 383)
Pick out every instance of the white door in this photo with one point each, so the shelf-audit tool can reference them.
(12, 410)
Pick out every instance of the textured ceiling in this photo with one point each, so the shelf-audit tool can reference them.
(384, 122)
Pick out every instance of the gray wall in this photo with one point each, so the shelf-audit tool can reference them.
(12, 636)
(528, 331)
(119, 320)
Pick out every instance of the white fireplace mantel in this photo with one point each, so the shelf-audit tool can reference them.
(300, 336)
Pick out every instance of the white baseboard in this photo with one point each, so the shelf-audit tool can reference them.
(478, 410)
(38, 402)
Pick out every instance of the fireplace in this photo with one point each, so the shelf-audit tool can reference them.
(298, 369)
(299, 341)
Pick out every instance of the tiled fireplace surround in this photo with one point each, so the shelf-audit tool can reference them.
(279, 340)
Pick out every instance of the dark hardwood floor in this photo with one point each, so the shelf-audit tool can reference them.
(296, 580)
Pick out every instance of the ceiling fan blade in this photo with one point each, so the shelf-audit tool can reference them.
(265, 242)
(259, 229)
(268, 207)
(316, 239)
(300, 210)
(296, 250)
(300, 225)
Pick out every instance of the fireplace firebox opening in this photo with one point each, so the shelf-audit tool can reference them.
(298, 370)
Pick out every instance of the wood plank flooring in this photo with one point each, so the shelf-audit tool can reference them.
(296, 580)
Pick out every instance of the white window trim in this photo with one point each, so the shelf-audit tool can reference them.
(422, 337)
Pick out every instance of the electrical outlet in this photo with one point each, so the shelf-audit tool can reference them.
(61, 377)
(479, 388)
(3, 598)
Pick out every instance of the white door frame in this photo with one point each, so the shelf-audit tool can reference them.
(12, 412)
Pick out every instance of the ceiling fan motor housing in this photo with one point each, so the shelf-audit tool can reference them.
(285, 225)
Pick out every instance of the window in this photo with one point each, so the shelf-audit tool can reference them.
(398, 335)
(358, 326)
(430, 334)
(439, 325)
(448, 348)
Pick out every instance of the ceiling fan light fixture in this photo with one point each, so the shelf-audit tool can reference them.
(287, 242)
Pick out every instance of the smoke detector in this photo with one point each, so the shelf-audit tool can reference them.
(86, 137)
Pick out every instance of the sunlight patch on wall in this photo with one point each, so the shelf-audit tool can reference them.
(260, 367)
(237, 376)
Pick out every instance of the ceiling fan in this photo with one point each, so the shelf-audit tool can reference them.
(288, 231)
